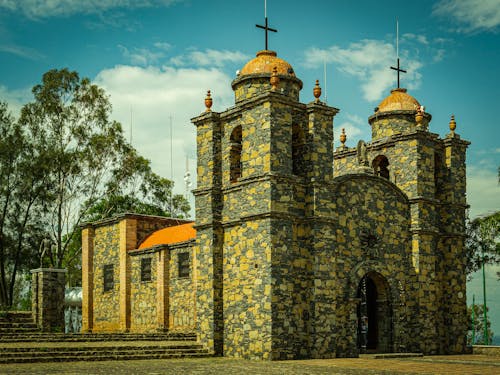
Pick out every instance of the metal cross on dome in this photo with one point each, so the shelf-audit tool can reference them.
(398, 69)
(266, 26)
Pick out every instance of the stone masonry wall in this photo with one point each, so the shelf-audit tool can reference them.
(144, 295)
(106, 304)
(291, 284)
(182, 292)
(247, 290)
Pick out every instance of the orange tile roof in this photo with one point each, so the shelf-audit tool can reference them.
(170, 235)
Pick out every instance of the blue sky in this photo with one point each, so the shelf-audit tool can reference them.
(157, 58)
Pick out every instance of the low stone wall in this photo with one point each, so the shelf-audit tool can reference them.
(492, 350)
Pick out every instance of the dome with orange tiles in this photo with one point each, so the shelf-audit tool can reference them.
(398, 100)
(170, 235)
(264, 63)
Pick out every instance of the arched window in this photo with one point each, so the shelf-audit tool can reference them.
(381, 166)
(235, 155)
(297, 150)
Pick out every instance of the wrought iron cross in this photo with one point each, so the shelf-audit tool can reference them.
(267, 29)
(398, 69)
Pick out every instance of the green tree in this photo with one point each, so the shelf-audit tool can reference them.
(475, 334)
(483, 241)
(58, 162)
(90, 158)
(22, 186)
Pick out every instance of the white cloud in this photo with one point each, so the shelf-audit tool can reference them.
(483, 191)
(26, 52)
(15, 98)
(209, 57)
(163, 46)
(368, 61)
(64, 8)
(471, 15)
(419, 38)
(150, 95)
(141, 56)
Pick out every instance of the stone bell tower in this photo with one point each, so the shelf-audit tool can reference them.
(431, 172)
(258, 165)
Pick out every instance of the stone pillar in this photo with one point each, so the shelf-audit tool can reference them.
(48, 298)
(87, 279)
(163, 290)
(128, 241)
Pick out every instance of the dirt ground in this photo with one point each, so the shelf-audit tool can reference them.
(442, 365)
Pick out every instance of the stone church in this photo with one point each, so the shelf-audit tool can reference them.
(298, 250)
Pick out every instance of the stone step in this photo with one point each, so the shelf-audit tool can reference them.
(98, 357)
(16, 315)
(46, 352)
(17, 324)
(18, 330)
(100, 348)
(86, 337)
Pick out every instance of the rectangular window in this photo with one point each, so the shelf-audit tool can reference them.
(108, 277)
(183, 265)
(146, 269)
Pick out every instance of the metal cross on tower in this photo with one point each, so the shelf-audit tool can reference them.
(398, 69)
(266, 26)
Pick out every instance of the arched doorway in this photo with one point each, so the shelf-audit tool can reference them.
(374, 314)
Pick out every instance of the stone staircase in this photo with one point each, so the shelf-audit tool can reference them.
(17, 322)
(22, 342)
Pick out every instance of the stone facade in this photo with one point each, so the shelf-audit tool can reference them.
(307, 252)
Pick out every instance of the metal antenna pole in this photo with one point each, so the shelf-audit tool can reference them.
(131, 125)
(473, 320)
(171, 171)
(485, 332)
(324, 74)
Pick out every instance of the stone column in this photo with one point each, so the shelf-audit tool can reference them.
(87, 279)
(48, 298)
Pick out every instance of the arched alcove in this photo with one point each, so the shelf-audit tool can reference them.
(235, 154)
(298, 141)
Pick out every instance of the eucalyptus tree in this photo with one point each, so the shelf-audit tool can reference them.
(22, 189)
(89, 157)
(65, 161)
(483, 241)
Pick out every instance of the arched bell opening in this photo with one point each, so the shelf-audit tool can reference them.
(374, 314)
(380, 166)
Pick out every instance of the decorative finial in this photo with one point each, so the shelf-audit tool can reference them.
(208, 102)
(419, 116)
(453, 125)
(274, 79)
(343, 138)
(317, 91)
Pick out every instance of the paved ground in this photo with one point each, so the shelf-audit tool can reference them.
(442, 365)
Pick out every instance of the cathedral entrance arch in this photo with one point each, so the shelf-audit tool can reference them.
(374, 314)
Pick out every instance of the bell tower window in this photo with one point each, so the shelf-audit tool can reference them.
(235, 154)
(381, 166)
